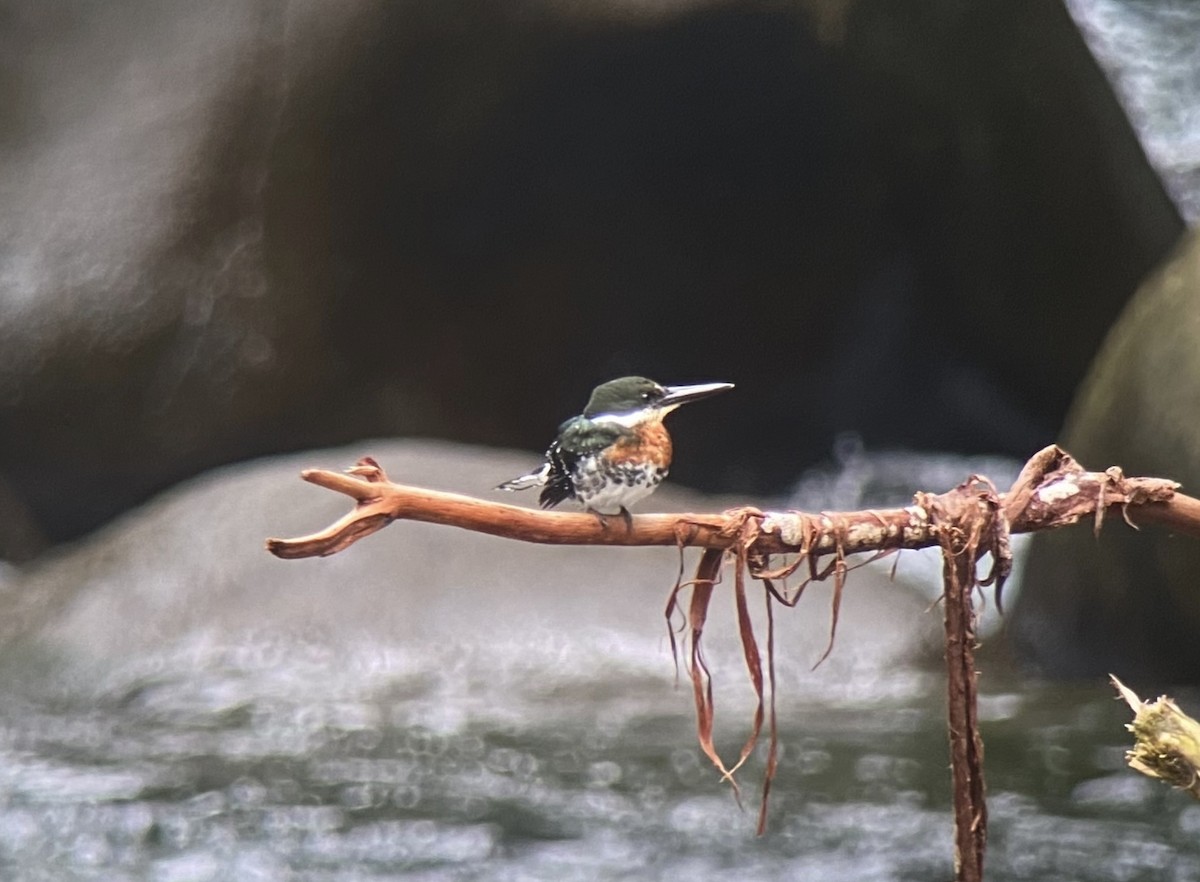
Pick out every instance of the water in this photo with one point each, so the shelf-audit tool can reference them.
(1150, 50)
(285, 762)
(436, 705)
(857, 479)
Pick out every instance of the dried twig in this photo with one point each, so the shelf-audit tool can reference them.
(970, 524)
(1168, 740)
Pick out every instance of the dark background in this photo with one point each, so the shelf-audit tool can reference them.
(911, 220)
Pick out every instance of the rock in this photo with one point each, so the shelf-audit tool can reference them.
(1128, 603)
(187, 576)
(244, 227)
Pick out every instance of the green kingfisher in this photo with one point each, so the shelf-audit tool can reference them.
(617, 451)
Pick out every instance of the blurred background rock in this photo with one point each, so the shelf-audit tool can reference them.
(239, 228)
(1131, 601)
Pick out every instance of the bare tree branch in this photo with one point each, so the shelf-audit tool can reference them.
(1051, 491)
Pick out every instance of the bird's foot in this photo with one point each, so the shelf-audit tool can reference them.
(624, 514)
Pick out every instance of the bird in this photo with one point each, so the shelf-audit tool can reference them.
(616, 452)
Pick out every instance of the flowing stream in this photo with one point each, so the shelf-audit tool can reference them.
(574, 761)
(439, 705)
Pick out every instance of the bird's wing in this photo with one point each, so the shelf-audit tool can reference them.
(536, 478)
(577, 438)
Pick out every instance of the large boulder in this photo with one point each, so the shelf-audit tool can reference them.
(241, 226)
(187, 573)
(1129, 603)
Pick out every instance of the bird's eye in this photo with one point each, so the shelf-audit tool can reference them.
(646, 396)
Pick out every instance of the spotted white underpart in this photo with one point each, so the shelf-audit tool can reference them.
(608, 491)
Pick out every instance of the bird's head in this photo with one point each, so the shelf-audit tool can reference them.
(631, 396)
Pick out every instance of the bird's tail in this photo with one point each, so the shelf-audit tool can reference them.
(536, 478)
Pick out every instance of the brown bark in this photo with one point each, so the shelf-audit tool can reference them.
(967, 528)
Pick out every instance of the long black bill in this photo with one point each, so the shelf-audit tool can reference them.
(677, 395)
